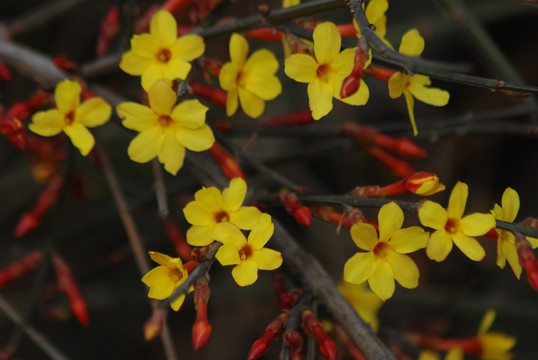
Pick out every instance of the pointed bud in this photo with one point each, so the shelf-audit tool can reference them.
(201, 330)
(397, 166)
(110, 27)
(5, 73)
(292, 204)
(313, 328)
(20, 267)
(266, 34)
(380, 73)
(213, 94)
(288, 299)
(227, 163)
(297, 118)
(272, 331)
(352, 82)
(155, 324)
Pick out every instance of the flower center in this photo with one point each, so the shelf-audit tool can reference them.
(164, 55)
(175, 275)
(323, 72)
(245, 252)
(381, 249)
(239, 78)
(164, 120)
(451, 226)
(222, 216)
(69, 118)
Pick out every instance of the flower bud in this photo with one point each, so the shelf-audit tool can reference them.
(313, 328)
(272, 331)
(155, 324)
(227, 163)
(213, 94)
(20, 267)
(423, 183)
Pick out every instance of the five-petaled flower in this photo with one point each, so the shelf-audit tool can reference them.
(384, 259)
(325, 72)
(165, 278)
(249, 81)
(160, 54)
(247, 254)
(415, 85)
(71, 116)
(451, 227)
(210, 208)
(166, 129)
(506, 242)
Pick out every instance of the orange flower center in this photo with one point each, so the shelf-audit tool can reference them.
(222, 216)
(245, 252)
(70, 118)
(323, 72)
(164, 55)
(381, 249)
(451, 226)
(239, 78)
(175, 275)
(164, 120)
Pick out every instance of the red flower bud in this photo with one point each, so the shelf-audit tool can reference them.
(397, 166)
(352, 82)
(177, 238)
(154, 325)
(108, 31)
(227, 163)
(423, 183)
(201, 330)
(293, 339)
(527, 260)
(297, 118)
(347, 30)
(272, 331)
(5, 73)
(292, 204)
(266, 34)
(313, 328)
(380, 73)
(287, 300)
(213, 94)
(64, 64)
(20, 267)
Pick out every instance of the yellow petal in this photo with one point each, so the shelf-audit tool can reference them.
(343, 63)
(229, 234)
(146, 145)
(301, 68)
(145, 46)
(364, 236)
(320, 99)
(177, 302)
(487, 321)
(469, 246)
(234, 194)
(81, 137)
(382, 281)
(67, 96)
(209, 199)
(457, 200)
(409, 239)
(160, 258)
(397, 84)
(196, 215)
(176, 69)
(246, 217)
(376, 9)
(162, 98)
(200, 139)
(261, 232)
(160, 284)
(510, 253)
(476, 224)
(261, 61)
(199, 235)
(439, 246)
(412, 43)
(432, 215)
(266, 87)
(430, 96)
(228, 76)
(137, 116)
(188, 47)
(390, 220)
(252, 105)
(153, 73)
(246, 273)
(510, 204)
(267, 259)
(164, 27)
(93, 112)
(327, 42)
(496, 346)
(47, 123)
(232, 102)
(238, 49)
(405, 270)
(134, 64)
(172, 153)
(360, 267)
(228, 255)
(410, 102)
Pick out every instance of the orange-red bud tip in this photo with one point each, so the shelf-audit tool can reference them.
(154, 325)
(303, 216)
(350, 86)
(27, 223)
(201, 332)
(80, 310)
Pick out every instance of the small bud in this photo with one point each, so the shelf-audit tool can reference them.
(110, 27)
(227, 163)
(5, 73)
(213, 94)
(347, 30)
(380, 73)
(397, 166)
(155, 324)
(297, 118)
(292, 204)
(272, 331)
(352, 82)
(287, 300)
(313, 328)
(266, 34)
(20, 267)
(527, 260)
(293, 339)
(201, 330)
(423, 183)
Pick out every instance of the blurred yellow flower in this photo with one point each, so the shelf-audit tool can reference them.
(384, 260)
(249, 81)
(166, 129)
(363, 300)
(325, 72)
(72, 117)
(248, 255)
(494, 345)
(160, 54)
(375, 13)
(289, 3)
(210, 208)
(451, 227)
(165, 278)
(415, 86)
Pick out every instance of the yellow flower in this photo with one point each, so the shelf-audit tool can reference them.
(248, 255)
(210, 207)
(452, 227)
(363, 300)
(494, 345)
(72, 117)
(325, 72)
(384, 260)
(165, 278)
(161, 54)
(250, 81)
(165, 129)
(415, 85)
(375, 13)
(506, 242)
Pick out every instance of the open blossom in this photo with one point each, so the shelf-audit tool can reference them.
(506, 242)
(248, 255)
(160, 54)
(384, 259)
(165, 278)
(71, 116)
(166, 129)
(363, 300)
(249, 81)
(415, 86)
(212, 207)
(451, 227)
(325, 72)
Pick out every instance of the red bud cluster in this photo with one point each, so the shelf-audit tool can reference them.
(313, 327)
(20, 267)
(292, 204)
(272, 332)
(227, 163)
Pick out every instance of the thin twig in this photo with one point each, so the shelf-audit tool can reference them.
(160, 189)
